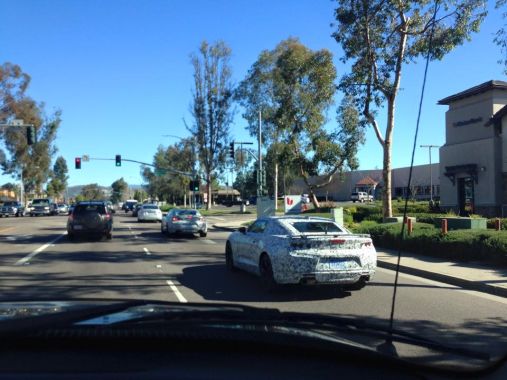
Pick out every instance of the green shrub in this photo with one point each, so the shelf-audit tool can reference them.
(503, 223)
(166, 207)
(460, 245)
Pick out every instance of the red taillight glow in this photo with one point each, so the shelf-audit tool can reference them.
(337, 241)
(175, 219)
(107, 216)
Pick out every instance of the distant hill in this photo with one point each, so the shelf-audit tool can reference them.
(73, 191)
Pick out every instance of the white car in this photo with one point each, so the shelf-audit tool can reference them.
(302, 250)
(149, 212)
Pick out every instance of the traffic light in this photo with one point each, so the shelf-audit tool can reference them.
(194, 185)
(77, 162)
(231, 150)
(118, 160)
(30, 135)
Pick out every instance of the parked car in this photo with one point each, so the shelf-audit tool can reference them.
(184, 221)
(90, 218)
(12, 208)
(302, 250)
(149, 212)
(41, 206)
(71, 208)
(361, 196)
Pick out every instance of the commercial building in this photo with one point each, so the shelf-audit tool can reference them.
(473, 161)
(370, 181)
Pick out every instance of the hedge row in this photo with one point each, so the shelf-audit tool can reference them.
(462, 245)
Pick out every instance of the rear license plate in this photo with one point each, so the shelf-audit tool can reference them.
(78, 227)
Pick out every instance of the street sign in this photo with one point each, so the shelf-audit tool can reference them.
(160, 172)
(85, 158)
(292, 204)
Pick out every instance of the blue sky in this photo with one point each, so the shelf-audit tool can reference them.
(120, 71)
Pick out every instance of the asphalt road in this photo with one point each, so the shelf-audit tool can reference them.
(37, 261)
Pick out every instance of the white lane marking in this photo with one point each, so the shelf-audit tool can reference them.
(487, 296)
(27, 258)
(207, 241)
(147, 251)
(176, 292)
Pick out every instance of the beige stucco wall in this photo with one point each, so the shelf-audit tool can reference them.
(481, 153)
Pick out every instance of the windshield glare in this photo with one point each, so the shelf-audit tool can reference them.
(304, 156)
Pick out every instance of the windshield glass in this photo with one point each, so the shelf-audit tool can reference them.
(257, 128)
(39, 202)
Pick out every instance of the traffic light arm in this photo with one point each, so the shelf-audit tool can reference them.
(175, 171)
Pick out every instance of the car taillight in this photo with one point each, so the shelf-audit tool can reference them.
(175, 219)
(107, 216)
(337, 241)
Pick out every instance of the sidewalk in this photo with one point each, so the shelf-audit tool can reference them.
(467, 275)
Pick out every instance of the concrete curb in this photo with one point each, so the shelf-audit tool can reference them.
(451, 280)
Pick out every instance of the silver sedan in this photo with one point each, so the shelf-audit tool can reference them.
(184, 221)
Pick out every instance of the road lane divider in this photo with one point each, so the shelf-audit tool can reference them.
(30, 256)
(175, 290)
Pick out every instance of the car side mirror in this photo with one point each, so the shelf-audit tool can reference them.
(242, 230)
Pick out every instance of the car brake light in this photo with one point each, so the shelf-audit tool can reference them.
(175, 219)
(107, 216)
(337, 241)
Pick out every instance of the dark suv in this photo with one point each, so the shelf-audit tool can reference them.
(90, 218)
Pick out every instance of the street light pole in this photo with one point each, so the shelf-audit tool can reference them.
(431, 173)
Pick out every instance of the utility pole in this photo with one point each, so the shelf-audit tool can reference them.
(431, 173)
(259, 160)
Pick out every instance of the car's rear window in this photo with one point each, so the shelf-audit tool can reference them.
(150, 207)
(187, 212)
(90, 208)
(316, 227)
(10, 204)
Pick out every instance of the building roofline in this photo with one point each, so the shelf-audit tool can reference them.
(497, 117)
(476, 90)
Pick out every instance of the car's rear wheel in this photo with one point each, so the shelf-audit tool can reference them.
(229, 259)
(268, 282)
(109, 235)
(71, 236)
(203, 234)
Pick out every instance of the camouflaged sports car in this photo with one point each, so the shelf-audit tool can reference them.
(302, 250)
